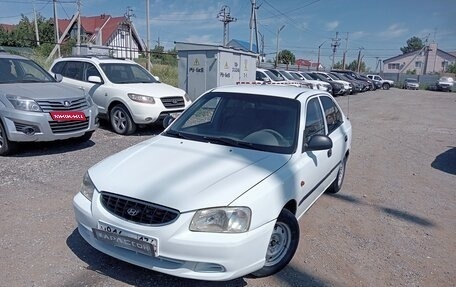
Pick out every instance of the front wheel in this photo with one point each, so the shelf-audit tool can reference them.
(6, 147)
(121, 121)
(386, 86)
(282, 245)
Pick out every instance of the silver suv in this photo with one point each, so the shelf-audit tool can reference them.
(36, 107)
(126, 94)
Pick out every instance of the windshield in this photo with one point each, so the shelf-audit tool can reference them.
(287, 75)
(306, 76)
(125, 73)
(242, 120)
(412, 80)
(22, 71)
(273, 76)
(446, 79)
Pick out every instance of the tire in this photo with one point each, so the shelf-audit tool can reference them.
(337, 183)
(121, 121)
(385, 86)
(282, 245)
(6, 147)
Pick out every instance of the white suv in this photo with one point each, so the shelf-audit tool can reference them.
(126, 94)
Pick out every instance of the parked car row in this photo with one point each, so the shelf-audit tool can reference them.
(36, 105)
(336, 82)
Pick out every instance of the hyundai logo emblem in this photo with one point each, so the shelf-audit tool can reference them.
(66, 103)
(133, 211)
(175, 101)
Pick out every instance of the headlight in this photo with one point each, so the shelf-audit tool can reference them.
(24, 104)
(187, 98)
(141, 98)
(89, 100)
(222, 219)
(87, 186)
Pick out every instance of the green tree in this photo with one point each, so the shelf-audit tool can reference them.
(353, 66)
(286, 57)
(451, 68)
(413, 44)
(338, 65)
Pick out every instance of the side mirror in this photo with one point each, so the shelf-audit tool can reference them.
(318, 142)
(266, 80)
(167, 121)
(58, 77)
(95, 79)
(157, 78)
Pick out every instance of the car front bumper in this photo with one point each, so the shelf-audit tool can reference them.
(150, 113)
(181, 252)
(43, 128)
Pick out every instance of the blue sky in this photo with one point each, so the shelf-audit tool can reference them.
(380, 28)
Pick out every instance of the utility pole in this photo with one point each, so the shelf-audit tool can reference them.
(253, 25)
(318, 61)
(345, 52)
(78, 40)
(335, 43)
(225, 16)
(37, 35)
(262, 56)
(56, 23)
(359, 59)
(129, 15)
(148, 34)
(277, 51)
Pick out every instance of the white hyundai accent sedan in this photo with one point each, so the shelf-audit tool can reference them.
(217, 195)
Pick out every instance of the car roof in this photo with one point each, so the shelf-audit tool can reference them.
(6, 55)
(290, 92)
(95, 59)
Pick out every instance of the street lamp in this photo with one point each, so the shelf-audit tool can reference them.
(277, 52)
(318, 63)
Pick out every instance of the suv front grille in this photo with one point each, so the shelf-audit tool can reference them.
(173, 102)
(138, 211)
(71, 105)
(68, 126)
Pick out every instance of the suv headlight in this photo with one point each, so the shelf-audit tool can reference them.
(89, 100)
(187, 98)
(141, 98)
(87, 186)
(222, 220)
(24, 104)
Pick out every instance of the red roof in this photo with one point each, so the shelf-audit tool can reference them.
(8, 27)
(303, 63)
(106, 23)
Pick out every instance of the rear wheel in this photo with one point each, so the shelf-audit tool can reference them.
(6, 146)
(282, 245)
(337, 184)
(121, 121)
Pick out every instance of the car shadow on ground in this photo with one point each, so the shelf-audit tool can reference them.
(399, 214)
(125, 272)
(141, 130)
(446, 161)
(137, 276)
(28, 149)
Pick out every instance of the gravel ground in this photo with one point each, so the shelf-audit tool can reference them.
(393, 223)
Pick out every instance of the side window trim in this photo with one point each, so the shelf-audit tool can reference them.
(315, 98)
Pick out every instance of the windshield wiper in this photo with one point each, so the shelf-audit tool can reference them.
(231, 142)
(179, 135)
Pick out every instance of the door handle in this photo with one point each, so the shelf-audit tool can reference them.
(330, 152)
(345, 138)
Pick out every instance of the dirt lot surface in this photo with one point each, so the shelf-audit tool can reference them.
(393, 223)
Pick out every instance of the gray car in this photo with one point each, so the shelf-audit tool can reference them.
(35, 107)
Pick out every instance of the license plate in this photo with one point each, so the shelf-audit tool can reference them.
(68, 116)
(125, 239)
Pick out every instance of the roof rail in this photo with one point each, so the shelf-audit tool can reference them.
(94, 56)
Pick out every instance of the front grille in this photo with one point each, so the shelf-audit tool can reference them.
(138, 211)
(173, 102)
(68, 126)
(71, 105)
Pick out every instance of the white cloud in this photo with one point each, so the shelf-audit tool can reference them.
(358, 35)
(394, 31)
(332, 25)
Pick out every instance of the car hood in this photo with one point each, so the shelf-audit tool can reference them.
(41, 91)
(183, 174)
(157, 90)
